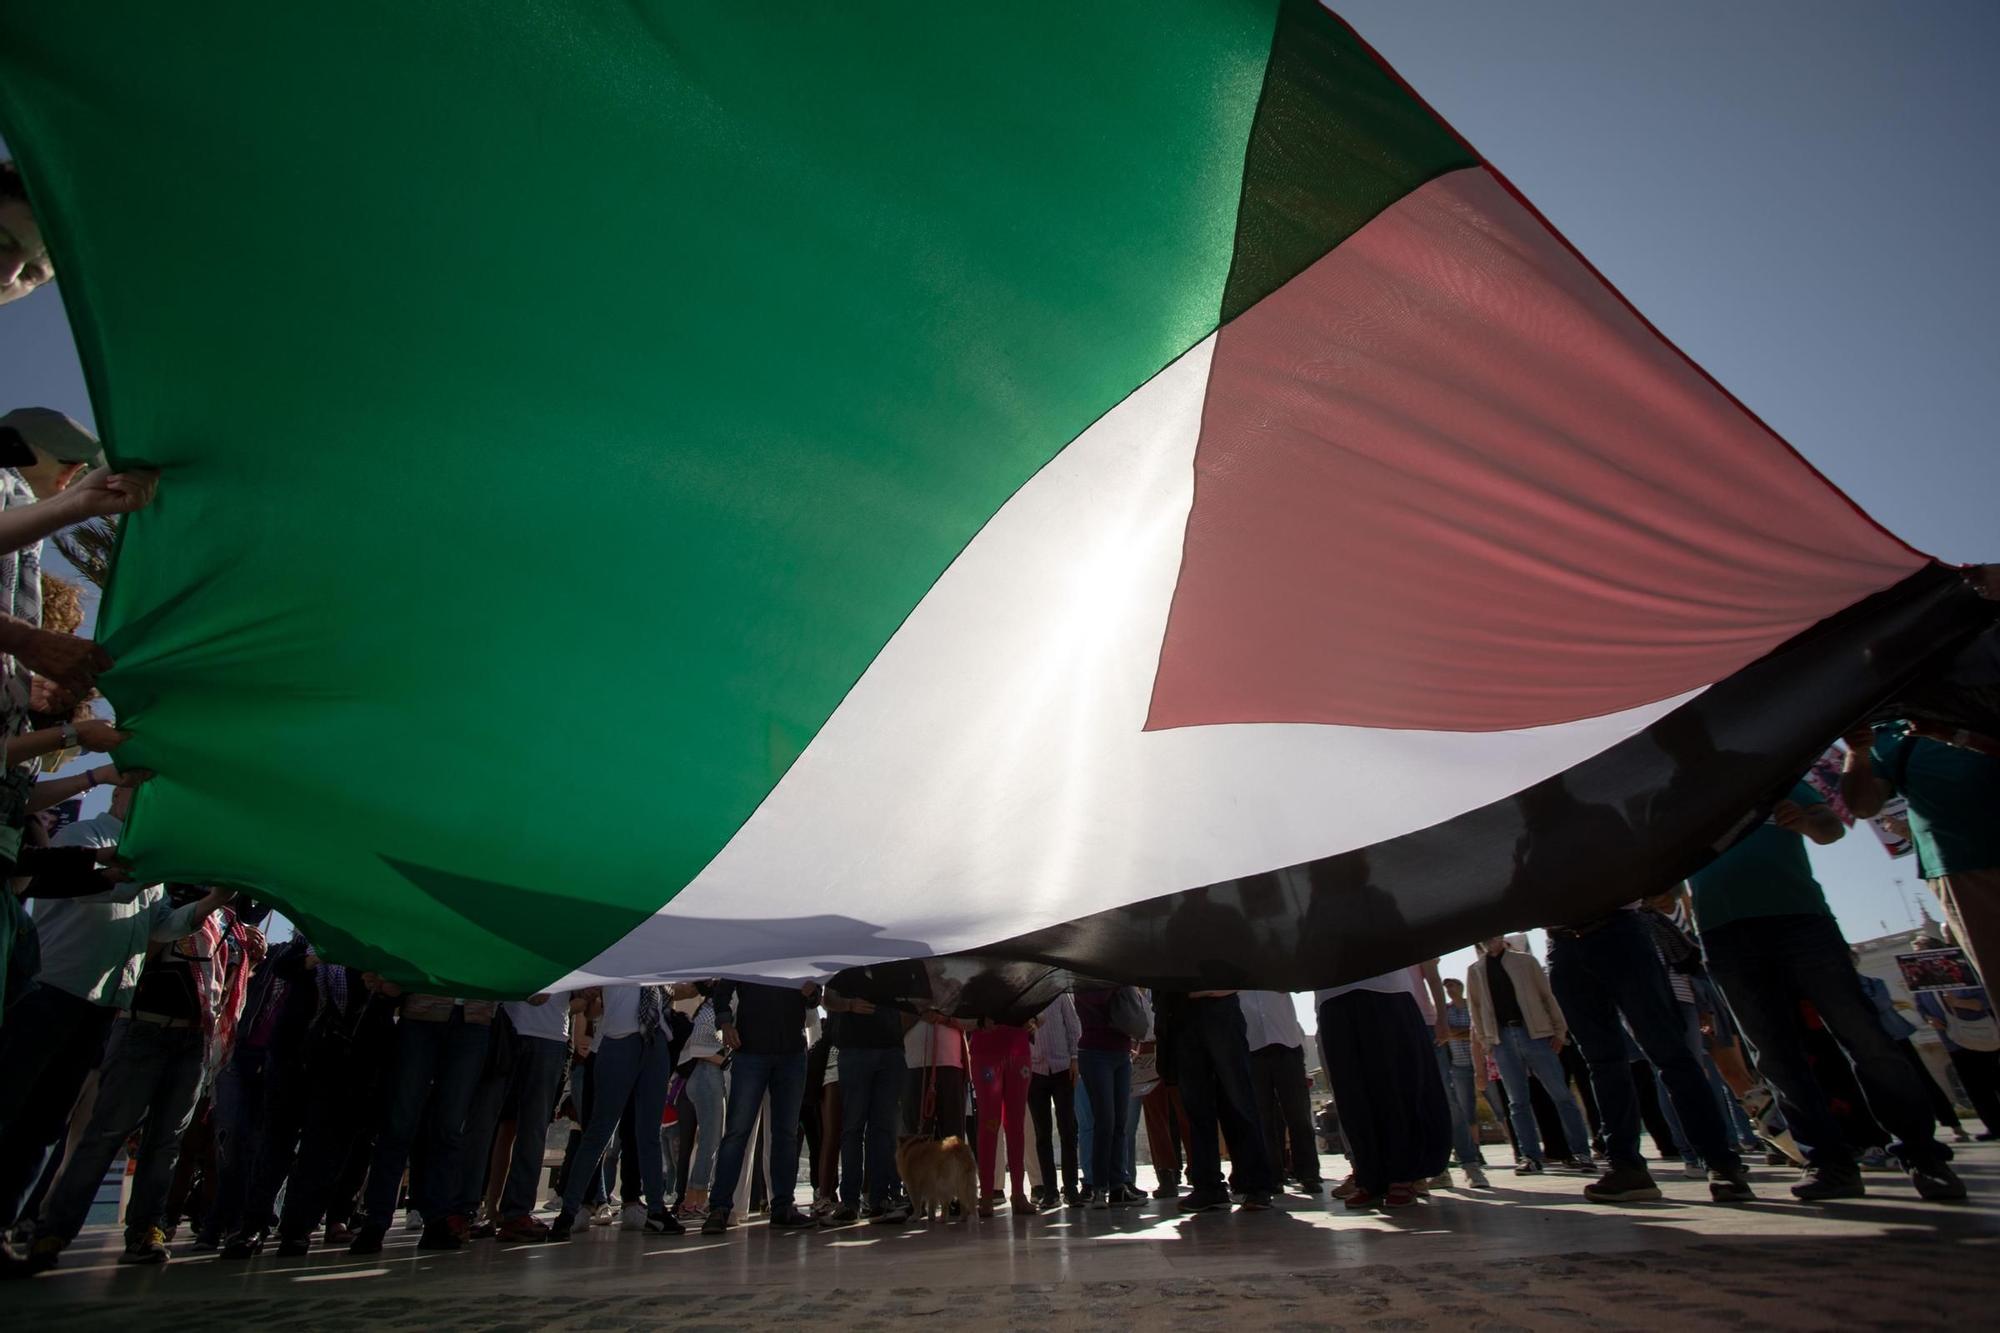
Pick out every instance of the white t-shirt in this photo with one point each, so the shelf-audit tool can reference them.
(548, 1020)
(927, 1044)
(621, 1012)
(1269, 1019)
(1389, 983)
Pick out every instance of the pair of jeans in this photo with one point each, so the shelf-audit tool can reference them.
(344, 1082)
(871, 1096)
(150, 1081)
(436, 1065)
(1052, 1106)
(1284, 1106)
(1107, 1083)
(751, 1078)
(631, 1070)
(1458, 1098)
(1615, 970)
(1086, 1125)
(1212, 1069)
(1002, 1059)
(1520, 1058)
(1765, 965)
(277, 1139)
(708, 1090)
(48, 1046)
(527, 1092)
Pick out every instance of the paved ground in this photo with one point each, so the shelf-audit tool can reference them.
(1528, 1254)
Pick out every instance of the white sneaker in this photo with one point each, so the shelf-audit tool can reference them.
(1694, 1170)
(412, 1220)
(632, 1217)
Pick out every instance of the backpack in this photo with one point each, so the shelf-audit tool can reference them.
(1128, 1014)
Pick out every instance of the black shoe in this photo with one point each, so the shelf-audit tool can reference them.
(1623, 1184)
(791, 1219)
(841, 1217)
(1529, 1166)
(1729, 1186)
(447, 1233)
(1257, 1201)
(891, 1215)
(244, 1245)
(716, 1222)
(368, 1240)
(1204, 1201)
(1123, 1197)
(1170, 1190)
(1937, 1182)
(293, 1247)
(1829, 1182)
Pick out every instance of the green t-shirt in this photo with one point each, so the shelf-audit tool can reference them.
(1766, 874)
(1954, 797)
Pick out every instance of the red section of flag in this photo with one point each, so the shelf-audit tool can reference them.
(1448, 480)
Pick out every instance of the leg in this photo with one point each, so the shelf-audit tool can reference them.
(749, 1080)
(418, 1044)
(1766, 1006)
(1461, 1130)
(1514, 1082)
(1941, 1107)
(175, 1091)
(48, 1047)
(649, 1103)
(884, 1087)
(832, 1140)
(133, 1060)
(482, 1130)
(537, 1073)
(1980, 1072)
(987, 1074)
(855, 1097)
(1086, 1124)
(615, 1071)
(1971, 901)
(455, 1188)
(1041, 1110)
(1646, 999)
(1236, 1106)
(705, 1089)
(1199, 1095)
(1823, 969)
(1592, 1010)
(1295, 1105)
(1264, 1074)
(788, 1081)
(1063, 1100)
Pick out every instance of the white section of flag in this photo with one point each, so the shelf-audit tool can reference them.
(989, 774)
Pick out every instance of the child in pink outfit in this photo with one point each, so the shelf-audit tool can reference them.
(1002, 1057)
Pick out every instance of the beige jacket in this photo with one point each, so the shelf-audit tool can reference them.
(1539, 1010)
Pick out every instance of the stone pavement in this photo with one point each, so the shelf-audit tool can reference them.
(1529, 1253)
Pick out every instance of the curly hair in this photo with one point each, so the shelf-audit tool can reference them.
(62, 606)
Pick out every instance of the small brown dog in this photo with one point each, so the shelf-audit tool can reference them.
(938, 1174)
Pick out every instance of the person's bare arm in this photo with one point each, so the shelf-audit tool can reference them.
(1813, 821)
(98, 494)
(1435, 982)
(1860, 786)
(56, 790)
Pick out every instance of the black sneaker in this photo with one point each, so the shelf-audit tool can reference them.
(841, 1217)
(1529, 1166)
(716, 1222)
(1730, 1186)
(1257, 1201)
(368, 1240)
(1937, 1182)
(243, 1245)
(791, 1219)
(564, 1221)
(1829, 1182)
(446, 1233)
(664, 1223)
(1204, 1201)
(294, 1247)
(1623, 1184)
(1124, 1197)
(891, 1215)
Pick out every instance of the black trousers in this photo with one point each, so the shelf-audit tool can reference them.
(1284, 1106)
(1941, 1107)
(950, 1101)
(1980, 1072)
(1047, 1094)
(1385, 1079)
(1212, 1068)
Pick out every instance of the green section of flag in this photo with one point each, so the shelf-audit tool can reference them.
(1337, 139)
(561, 403)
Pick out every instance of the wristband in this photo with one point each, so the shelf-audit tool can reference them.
(70, 740)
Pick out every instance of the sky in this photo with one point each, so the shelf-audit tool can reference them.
(1798, 192)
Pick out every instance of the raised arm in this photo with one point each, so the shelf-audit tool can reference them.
(1861, 786)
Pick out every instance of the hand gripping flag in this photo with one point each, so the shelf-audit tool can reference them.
(1119, 489)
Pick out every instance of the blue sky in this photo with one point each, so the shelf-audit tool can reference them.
(1800, 194)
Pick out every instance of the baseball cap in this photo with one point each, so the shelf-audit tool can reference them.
(48, 430)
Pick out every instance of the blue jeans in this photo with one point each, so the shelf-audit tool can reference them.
(1107, 1082)
(434, 1062)
(705, 1089)
(750, 1077)
(1085, 1130)
(871, 1096)
(1459, 1098)
(628, 1069)
(1765, 965)
(151, 1078)
(1521, 1057)
(1614, 970)
(48, 1046)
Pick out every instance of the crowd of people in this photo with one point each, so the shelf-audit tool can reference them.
(272, 1096)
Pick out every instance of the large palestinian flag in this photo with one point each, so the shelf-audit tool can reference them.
(672, 489)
